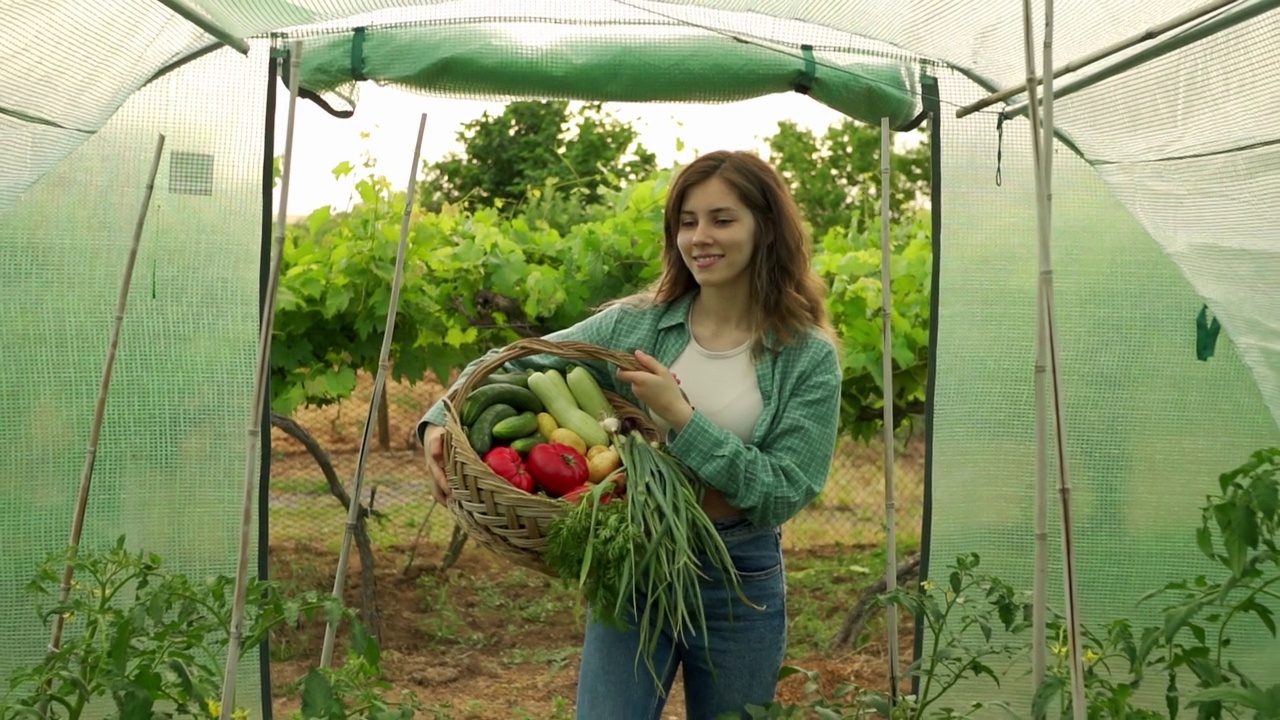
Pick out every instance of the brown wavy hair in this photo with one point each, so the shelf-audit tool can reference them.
(787, 297)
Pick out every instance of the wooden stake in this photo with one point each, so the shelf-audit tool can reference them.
(100, 408)
(259, 396)
(886, 311)
(1047, 349)
(384, 365)
(1084, 61)
(1041, 534)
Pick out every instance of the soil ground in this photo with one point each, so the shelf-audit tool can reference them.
(488, 640)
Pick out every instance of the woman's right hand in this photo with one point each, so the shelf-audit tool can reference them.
(433, 442)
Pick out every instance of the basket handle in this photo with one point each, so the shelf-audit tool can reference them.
(567, 349)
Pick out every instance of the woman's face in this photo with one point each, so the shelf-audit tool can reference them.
(716, 235)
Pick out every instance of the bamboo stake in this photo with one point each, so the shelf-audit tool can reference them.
(266, 324)
(1084, 61)
(1060, 424)
(100, 408)
(886, 312)
(1040, 600)
(384, 365)
(1042, 141)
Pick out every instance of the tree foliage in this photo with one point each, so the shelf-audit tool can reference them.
(536, 145)
(835, 176)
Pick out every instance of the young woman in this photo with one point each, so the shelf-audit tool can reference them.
(739, 316)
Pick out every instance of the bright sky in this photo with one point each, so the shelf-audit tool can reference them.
(390, 116)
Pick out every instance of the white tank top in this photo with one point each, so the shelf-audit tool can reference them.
(720, 385)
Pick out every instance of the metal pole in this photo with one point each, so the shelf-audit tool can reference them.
(207, 25)
(1083, 61)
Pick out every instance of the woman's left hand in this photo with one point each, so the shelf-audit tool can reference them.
(656, 387)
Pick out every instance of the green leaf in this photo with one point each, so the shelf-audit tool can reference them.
(317, 695)
(1204, 541)
(1262, 611)
(342, 169)
(1252, 698)
(363, 644)
(1049, 691)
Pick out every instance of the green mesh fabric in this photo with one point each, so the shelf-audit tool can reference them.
(170, 462)
(1150, 427)
(1166, 214)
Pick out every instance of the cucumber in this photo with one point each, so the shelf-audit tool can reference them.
(481, 433)
(526, 423)
(486, 395)
(525, 444)
(510, 378)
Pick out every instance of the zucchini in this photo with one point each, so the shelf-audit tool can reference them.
(507, 378)
(525, 444)
(587, 392)
(526, 423)
(551, 389)
(481, 433)
(486, 395)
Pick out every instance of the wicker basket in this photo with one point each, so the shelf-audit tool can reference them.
(495, 514)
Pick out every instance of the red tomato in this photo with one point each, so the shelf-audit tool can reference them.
(507, 463)
(557, 468)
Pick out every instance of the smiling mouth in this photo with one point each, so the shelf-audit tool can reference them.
(705, 261)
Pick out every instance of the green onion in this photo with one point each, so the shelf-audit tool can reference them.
(649, 544)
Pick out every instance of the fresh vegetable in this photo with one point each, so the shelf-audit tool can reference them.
(576, 495)
(565, 436)
(557, 468)
(595, 450)
(508, 378)
(526, 423)
(586, 391)
(487, 395)
(507, 464)
(546, 424)
(525, 444)
(481, 432)
(551, 389)
(601, 464)
(503, 461)
(640, 561)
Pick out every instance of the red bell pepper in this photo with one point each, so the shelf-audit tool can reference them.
(557, 468)
(577, 494)
(507, 463)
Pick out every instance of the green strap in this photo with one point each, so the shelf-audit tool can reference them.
(805, 83)
(357, 55)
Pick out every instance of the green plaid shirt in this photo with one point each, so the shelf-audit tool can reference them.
(789, 457)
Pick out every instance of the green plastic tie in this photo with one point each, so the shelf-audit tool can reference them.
(357, 55)
(805, 83)
(1206, 334)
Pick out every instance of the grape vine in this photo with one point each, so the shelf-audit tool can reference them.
(475, 280)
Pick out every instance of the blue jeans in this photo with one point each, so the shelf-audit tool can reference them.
(746, 646)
